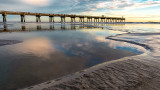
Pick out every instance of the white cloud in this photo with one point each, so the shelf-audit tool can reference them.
(115, 4)
(126, 4)
(123, 8)
(37, 2)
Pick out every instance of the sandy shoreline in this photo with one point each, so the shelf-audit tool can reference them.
(141, 72)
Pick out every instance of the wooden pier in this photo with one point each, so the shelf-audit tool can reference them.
(82, 18)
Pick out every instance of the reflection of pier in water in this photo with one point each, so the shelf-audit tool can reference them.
(5, 27)
(39, 27)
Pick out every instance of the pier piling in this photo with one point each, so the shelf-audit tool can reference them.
(38, 18)
(51, 19)
(22, 18)
(63, 20)
(4, 17)
(73, 19)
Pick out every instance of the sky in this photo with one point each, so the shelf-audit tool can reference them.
(132, 10)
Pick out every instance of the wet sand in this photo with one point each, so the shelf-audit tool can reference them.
(141, 72)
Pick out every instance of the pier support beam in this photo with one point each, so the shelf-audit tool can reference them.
(81, 19)
(51, 18)
(112, 20)
(89, 19)
(102, 19)
(98, 20)
(63, 20)
(95, 19)
(23, 18)
(73, 19)
(38, 18)
(107, 20)
(4, 17)
(118, 20)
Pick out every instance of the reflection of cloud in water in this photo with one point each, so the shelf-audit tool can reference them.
(95, 32)
(115, 32)
(79, 45)
(115, 44)
(40, 47)
(100, 36)
(102, 32)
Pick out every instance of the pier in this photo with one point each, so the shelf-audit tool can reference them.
(82, 18)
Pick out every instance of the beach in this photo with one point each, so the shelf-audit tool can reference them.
(141, 72)
(80, 45)
(47, 51)
(47, 59)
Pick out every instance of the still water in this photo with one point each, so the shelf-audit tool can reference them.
(47, 51)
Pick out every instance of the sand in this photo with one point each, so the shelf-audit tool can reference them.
(141, 72)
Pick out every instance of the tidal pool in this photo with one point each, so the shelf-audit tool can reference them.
(48, 51)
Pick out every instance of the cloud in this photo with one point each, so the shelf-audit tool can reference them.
(127, 8)
(23, 5)
(127, 4)
(14, 7)
(36, 2)
(78, 6)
